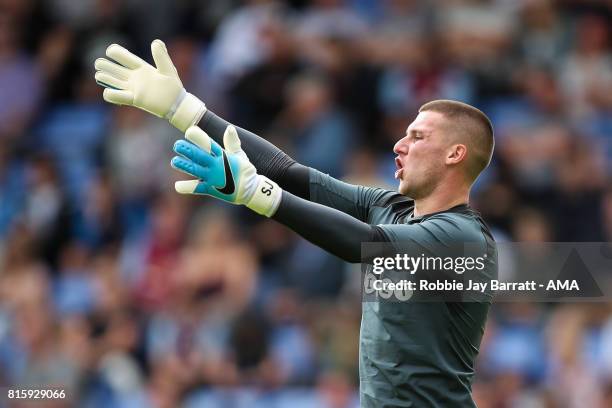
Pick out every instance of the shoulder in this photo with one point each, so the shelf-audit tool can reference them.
(461, 226)
(388, 198)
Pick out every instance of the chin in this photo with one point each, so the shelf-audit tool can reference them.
(410, 190)
(403, 188)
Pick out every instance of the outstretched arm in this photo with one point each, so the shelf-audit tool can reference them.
(227, 174)
(129, 80)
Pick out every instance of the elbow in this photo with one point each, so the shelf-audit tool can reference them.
(351, 256)
(352, 260)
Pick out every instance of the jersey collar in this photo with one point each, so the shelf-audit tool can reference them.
(459, 208)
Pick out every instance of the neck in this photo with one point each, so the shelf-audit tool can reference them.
(441, 200)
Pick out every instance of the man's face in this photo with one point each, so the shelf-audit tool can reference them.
(421, 154)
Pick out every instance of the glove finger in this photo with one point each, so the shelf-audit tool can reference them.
(193, 153)
(231, 141)
(118, 97)
(162, 58)
(199, 138)
(189, 167)
(190, 187)
(105, 79)
(124, 57)
(116, 70)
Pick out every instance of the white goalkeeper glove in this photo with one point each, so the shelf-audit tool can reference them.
(224, 173)
(129, 80)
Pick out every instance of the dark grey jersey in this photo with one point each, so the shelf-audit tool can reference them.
(415, 354)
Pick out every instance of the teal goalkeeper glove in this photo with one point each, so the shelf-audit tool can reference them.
(158, 90)
(226, 174)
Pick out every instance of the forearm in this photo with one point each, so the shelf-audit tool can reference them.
(268, 159)
(329, 229)
(228, 174)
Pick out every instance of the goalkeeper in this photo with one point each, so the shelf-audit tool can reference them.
(414, 354)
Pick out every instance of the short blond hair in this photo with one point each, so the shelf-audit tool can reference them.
(474, 125)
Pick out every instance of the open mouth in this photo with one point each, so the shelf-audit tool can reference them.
(399, 168)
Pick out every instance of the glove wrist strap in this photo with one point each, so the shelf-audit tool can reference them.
(266, 198)
(188, 112)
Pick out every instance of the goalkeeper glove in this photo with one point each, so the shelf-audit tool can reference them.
(226, 174)
(157, 90)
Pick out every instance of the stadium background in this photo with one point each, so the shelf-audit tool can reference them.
(127, 294)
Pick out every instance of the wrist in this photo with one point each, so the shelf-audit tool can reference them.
(186, 112)
(266, 198)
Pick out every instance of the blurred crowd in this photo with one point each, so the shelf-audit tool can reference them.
(125, 294)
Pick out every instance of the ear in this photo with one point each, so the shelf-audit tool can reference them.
(456, 154)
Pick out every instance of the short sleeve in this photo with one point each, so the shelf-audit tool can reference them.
(352, 199)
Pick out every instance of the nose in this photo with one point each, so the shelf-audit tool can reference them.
(401, 147)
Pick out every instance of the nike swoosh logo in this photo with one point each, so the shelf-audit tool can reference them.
(229, 187)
